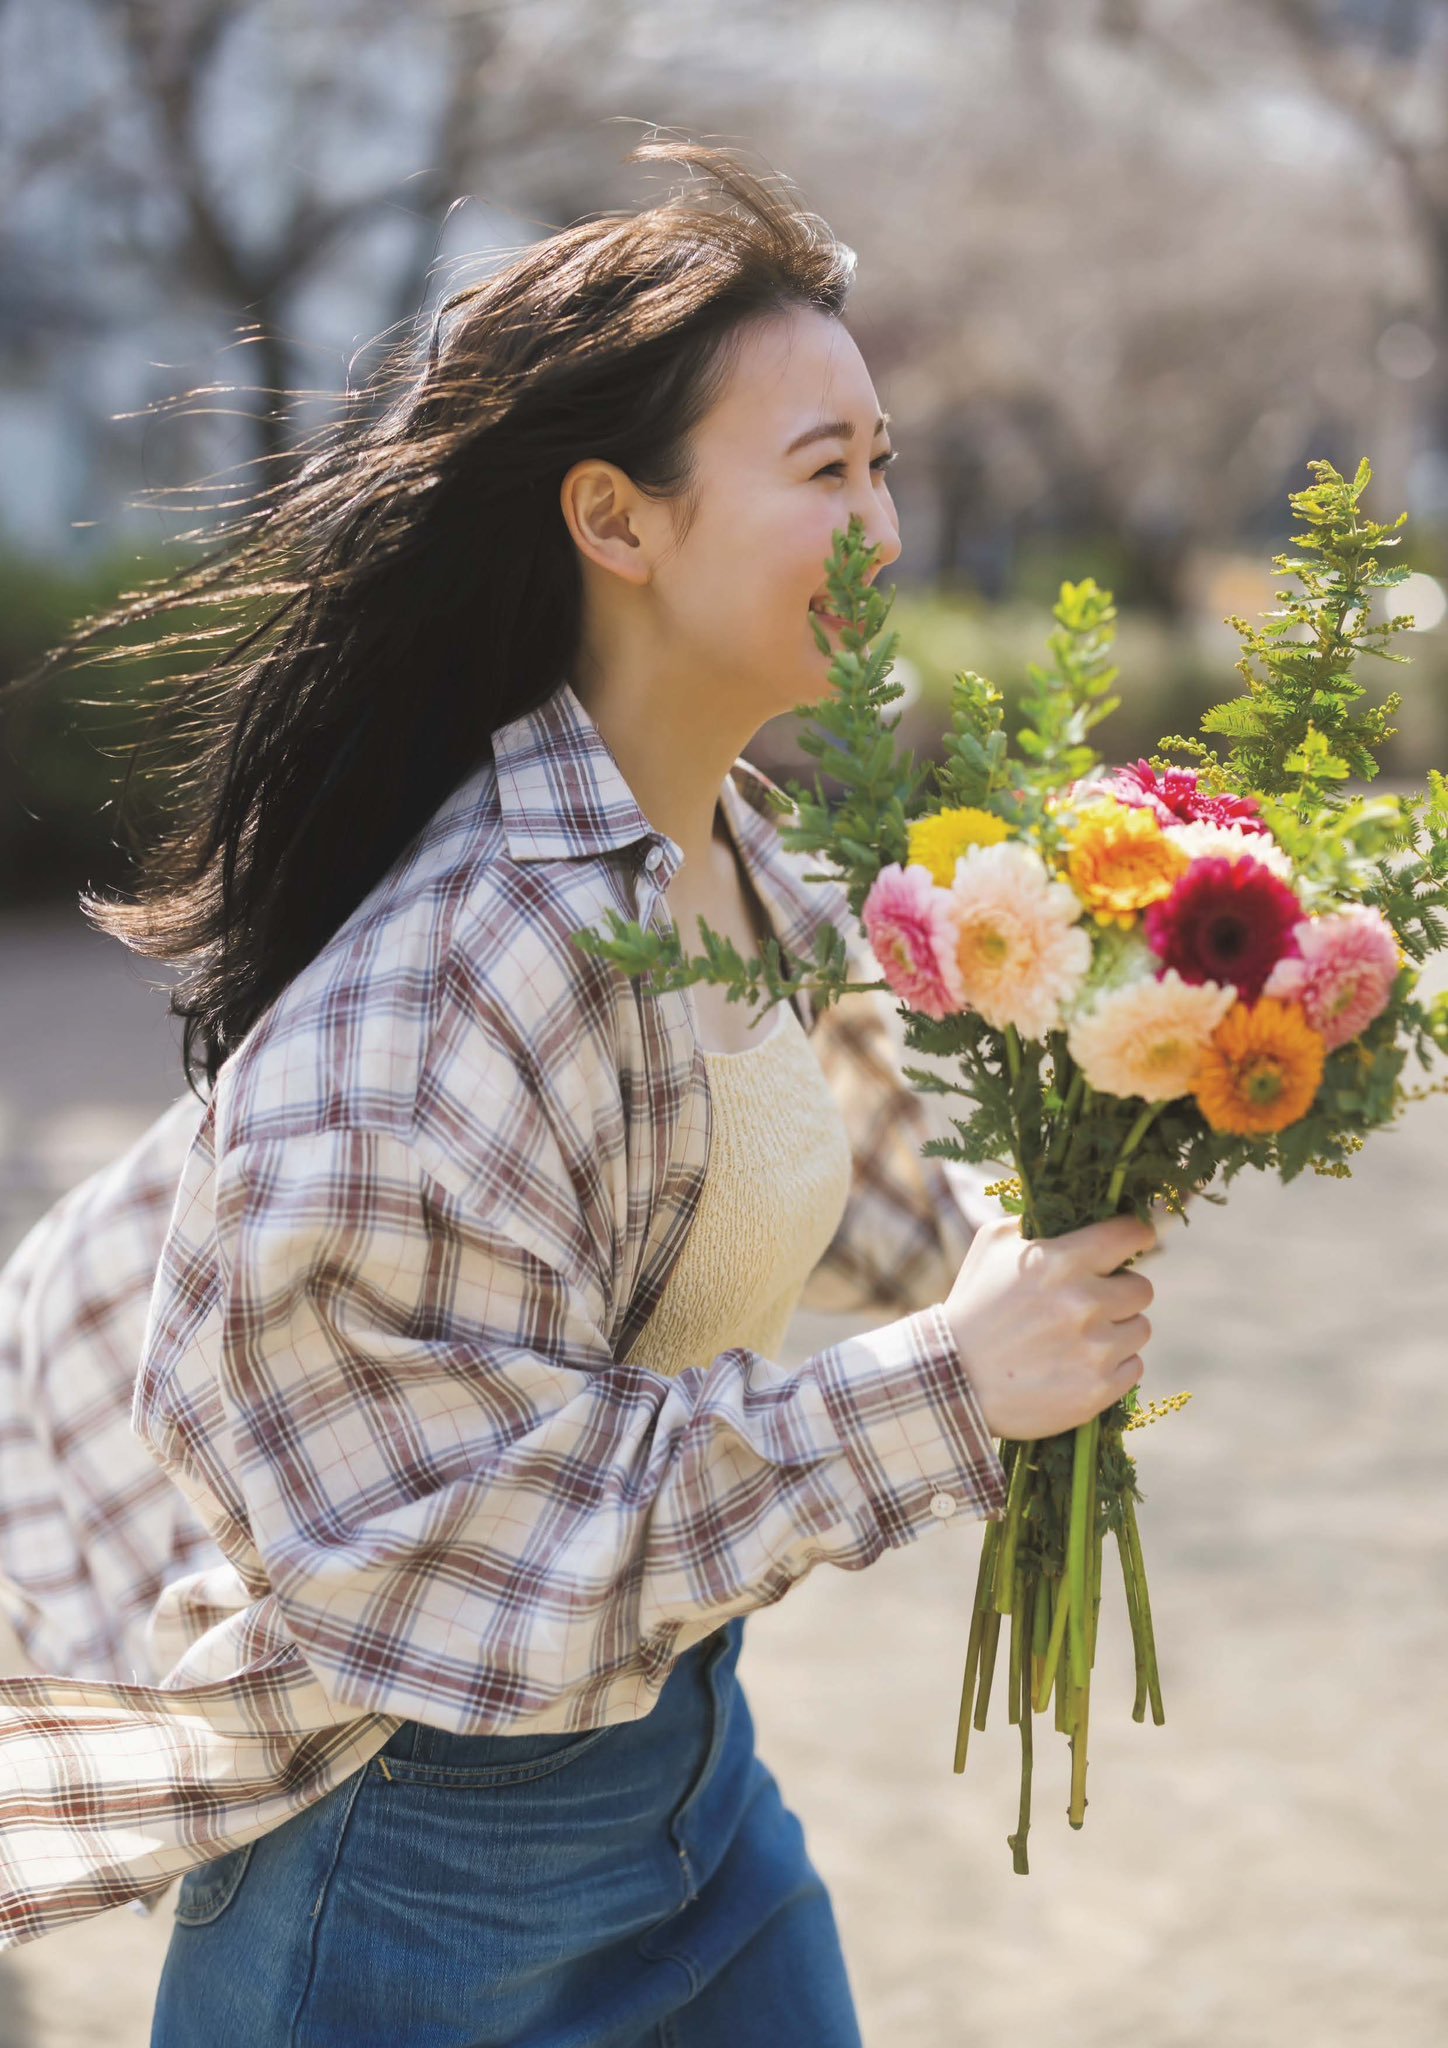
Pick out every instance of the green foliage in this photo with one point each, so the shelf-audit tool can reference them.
(865, 829)
(1068, 699)
(976, 768)
(659, 957)
(1298, 731)
(1410, 874)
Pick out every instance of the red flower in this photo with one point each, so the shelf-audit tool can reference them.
(1177, 800)
(1226, 921)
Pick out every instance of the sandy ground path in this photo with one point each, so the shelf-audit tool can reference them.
(1270, 1864)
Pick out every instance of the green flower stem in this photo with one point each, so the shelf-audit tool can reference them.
(1067, 1118)
(1005, 1576)
(1029, 1225)
(1133, 1610)
(1096, 1550)
(1138, 1568)
(1017, 1841)
(1052, 1658)
(989, 1636)
(1040, 1628)
(1076, 1811)
(1030, 1228)
(1133, 1138)
(983, 1580)
(1020, 1624)
(1083, 1515)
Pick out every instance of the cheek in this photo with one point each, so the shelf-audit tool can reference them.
(752, 571)
(800, 544)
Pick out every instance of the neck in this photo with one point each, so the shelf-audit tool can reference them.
(674, 768)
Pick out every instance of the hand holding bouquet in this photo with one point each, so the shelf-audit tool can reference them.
(1140, 978)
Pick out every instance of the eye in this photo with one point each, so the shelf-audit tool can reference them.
(881, 462)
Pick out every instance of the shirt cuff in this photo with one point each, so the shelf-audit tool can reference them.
(910, 1423)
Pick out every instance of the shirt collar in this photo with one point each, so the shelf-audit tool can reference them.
(561, 791)
(563, 795)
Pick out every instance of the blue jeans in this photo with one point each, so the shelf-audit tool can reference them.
(641, 1885)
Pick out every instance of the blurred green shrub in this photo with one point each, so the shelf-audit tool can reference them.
(64, 741)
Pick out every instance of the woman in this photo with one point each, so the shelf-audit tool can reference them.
(461, 1340)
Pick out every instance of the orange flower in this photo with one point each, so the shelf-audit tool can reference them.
(1260, 1069)
(1120, 860)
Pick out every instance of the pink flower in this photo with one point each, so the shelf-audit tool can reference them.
(1226, 920)
(911, 928)
(1177, 800)
(1343, 973)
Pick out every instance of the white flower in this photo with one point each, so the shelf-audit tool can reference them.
(1201, 837)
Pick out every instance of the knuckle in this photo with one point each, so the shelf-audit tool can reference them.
(1101, 1353)
(1080, 1308)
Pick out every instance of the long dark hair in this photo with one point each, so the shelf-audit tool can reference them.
(412, 585)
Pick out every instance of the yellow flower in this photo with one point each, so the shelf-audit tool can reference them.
(937, 842)
(1119, 860)
(1261, 1068)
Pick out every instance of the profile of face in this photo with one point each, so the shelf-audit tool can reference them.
(791, 449)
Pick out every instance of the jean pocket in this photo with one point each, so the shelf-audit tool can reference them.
(209, 1888)
(421, 1755)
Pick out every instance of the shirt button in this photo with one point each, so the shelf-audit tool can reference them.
(652, 858)
(942, 1504)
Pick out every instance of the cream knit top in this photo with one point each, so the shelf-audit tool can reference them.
(775, 1189)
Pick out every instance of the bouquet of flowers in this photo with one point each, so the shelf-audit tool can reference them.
(1139, 978)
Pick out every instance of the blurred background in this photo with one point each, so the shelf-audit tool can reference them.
(1126, 266)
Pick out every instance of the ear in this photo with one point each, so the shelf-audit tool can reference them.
(611, 522)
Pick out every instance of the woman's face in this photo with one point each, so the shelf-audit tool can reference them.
(734, 599)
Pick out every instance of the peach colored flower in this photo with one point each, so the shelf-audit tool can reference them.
(1147, 1038)
(911, 928)
(1344, 973)
(1019, 950)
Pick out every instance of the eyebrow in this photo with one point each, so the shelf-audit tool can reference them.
(832, 430)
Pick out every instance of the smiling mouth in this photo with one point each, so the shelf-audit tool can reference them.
(826, 618)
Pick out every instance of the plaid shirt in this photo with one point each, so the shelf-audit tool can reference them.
(91, 1528)
(433, 1199)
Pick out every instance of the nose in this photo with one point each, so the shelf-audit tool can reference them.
(882, 529)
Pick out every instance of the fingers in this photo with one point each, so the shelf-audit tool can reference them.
(1101, 1247)
(1126, 1339)
(1118, 1382)
(1117, 1295)
(1127, 1375)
